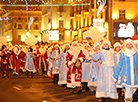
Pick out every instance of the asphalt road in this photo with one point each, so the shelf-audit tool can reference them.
(39, 89)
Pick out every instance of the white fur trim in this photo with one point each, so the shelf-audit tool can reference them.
(114, 79)
(107, 42)
(128, 41)
(105, 94)
(87, 45)
(67, 45)
(74, 42)
(92, 84)
(117, 44)
(85, 41)
(70, 63)
(56, 45)
(81, 59)
(135, 41)
(62, 82)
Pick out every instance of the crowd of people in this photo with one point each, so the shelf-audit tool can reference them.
(111, 70)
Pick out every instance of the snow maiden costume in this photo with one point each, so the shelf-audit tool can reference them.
(106, 87)
(55, 63)
(85, 68)
(128, 78)
(94, 69)
(29, 62)
(63, 67)
(117, 53)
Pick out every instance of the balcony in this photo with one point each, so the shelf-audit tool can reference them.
(72, 15)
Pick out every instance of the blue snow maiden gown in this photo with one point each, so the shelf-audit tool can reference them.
(106, 87)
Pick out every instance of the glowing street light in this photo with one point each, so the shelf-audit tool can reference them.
(27, 34)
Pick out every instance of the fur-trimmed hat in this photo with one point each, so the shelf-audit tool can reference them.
(117, 44)
(107, 42)
(128, 41)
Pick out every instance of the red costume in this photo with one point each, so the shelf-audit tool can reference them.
(43, 59)
(36, 57)
(4, 62)
(73, 68)
(18, 57)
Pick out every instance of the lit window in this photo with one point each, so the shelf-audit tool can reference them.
(61, 24)
(19, 26)
(122, 14)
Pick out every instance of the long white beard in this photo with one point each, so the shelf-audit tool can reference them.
(16, 51)
(42, 51)
(75, 51)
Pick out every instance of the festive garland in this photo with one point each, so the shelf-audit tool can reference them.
(21, 10)
(15, 1)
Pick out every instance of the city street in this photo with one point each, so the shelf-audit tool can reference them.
(39, 89)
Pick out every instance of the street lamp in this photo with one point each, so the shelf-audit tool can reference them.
(27, 34)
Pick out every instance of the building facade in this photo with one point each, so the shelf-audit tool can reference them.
(71, 20)
(125, 19)
(15, 20)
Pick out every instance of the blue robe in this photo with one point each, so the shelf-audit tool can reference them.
(49, 64)
(55, 63)
(106, 87)
(62, 68)
(85, 69)
(116, 60)
(29, 63)
(94, 72)
(125, 72)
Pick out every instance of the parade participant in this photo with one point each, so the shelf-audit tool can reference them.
(127, 70)
(85, 68)
(4, 61)
(74, 59)
(43, 65)
(10, 47)
(55, 63)
(117, 51)
(36, 57)
(85, 41)
(18, 57)
(106, 87)
(135, 41)
(22, 62)
(29, 63)
(94, 68)
(136, 44)
(50, 65)
(62, 66)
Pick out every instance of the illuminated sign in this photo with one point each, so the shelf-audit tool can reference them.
(125, 30)
(53, 35)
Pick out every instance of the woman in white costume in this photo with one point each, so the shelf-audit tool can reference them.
(106, 87)
(62, 65)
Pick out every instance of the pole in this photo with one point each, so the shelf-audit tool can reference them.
(95, 7)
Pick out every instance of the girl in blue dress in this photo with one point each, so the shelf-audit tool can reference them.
(29, 62)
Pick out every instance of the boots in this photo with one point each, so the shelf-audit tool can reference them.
(71, 90)
(105, 100)
(31, 74)
(2, 75)
(7, 75)
(79, 90)
(27, 73)
(119, 90)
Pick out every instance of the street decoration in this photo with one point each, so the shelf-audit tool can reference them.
(101, 4)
